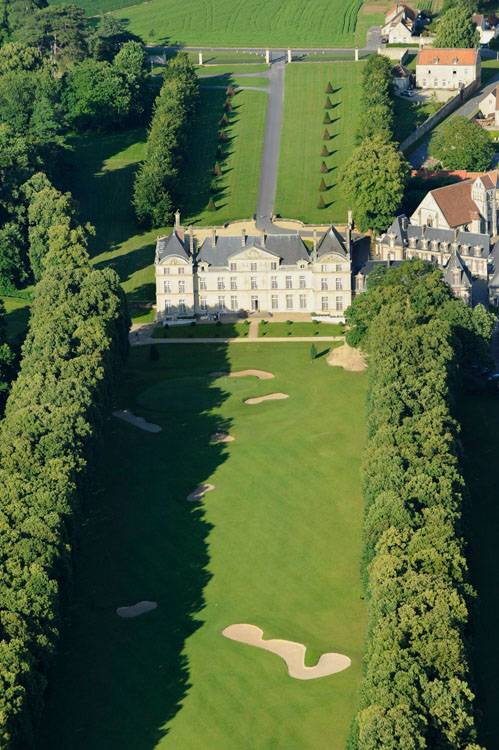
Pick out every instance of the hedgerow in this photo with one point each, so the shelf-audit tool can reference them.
(76, 343)
(417, 687)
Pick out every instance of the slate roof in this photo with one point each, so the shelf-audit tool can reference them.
(172, 245)
(432, 234)
(454, 264)
(332, 242)
(288, 247)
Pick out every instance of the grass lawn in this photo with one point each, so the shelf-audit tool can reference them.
(481, 447)
(202, 330)
(298, 328)
(235, 80)
(410, 114)
(301, 142)
(211, 70)
(245, 22)
(271, 546)
(240, 159)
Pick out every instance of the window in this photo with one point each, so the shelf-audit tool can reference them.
(289, 301)
(273, 302)
(324, 285)
(301, 282)
(168, 306)
(254, 285)
(220, 283)
(273, 282)
(289, 282)
(253, 267)
(324, 268)
(181, 271)
(166, 270)
(339, 304)
(233, 282)
(203, 304)
(339, 267)
(202, 283)
(324, 304)
(359, 283)
(181, 287)
(233, 303)
(273, 266)
(166, 287)
(221, 303)
(181, 306)
(339, 284)
(233, 266)
(303, 301)
(254, 303)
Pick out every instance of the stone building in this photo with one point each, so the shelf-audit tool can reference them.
(250, 273)
(448, 69)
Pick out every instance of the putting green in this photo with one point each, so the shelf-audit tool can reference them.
(276, 542)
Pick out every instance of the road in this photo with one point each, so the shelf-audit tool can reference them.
(468, 109)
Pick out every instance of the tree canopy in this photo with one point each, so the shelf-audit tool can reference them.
(456, 29)
(462, 144)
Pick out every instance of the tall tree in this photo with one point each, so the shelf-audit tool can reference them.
(58, 32)
(456, 29)
(462, 144)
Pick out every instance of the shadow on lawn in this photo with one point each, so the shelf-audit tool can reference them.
(480, 417)
(119, 682)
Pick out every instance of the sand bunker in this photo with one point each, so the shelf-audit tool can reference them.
(140, 422)
(260, 374)
(269, 397)
(292, 653)
(136, 609)
(200, 491)
(347, 357)
(222, 437)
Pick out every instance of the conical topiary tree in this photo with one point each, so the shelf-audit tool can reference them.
(224, 120)
(329, 88)
(324, 169)
(324, 151)
(326, 119)
(211, 205)
(326, 136)
(321, 203)
(228, 105)
(328, 103)
(222, 136)
(217, 169)
(322, 186)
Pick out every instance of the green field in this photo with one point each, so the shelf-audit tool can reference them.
(244, 22)
(237, 188)
(301, 141)
(271, 546)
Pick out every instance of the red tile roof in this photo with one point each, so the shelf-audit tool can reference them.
(447, 57)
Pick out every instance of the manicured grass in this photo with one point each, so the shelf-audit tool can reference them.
(225, 80)
(245, 22)
(201, 331)
(240, 159)
(301, 142)
(210, 70)
(276, 544)
(297, 328)
(480, 417)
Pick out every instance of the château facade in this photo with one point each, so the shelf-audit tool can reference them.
(271, 273)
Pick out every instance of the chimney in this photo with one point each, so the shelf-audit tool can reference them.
(349, 233)
(191, 240)
(243, 237)
(213, 237)
(405, 223)
(177, 220)
(315, 240)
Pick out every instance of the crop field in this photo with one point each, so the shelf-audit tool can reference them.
(243, 22)
(302, 139)
(269, 545)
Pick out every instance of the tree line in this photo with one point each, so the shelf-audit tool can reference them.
(417, 685)
(57, 78)
(73, 352)
(375, 175)
(156, 182)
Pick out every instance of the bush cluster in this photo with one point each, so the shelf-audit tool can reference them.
(157, 179)
(75, 346)
(416, 690)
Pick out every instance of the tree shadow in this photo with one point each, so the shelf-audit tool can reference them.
(119, 682)
(479, 418)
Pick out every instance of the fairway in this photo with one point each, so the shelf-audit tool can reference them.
(243, 22)
(276, 544)
(301, 142)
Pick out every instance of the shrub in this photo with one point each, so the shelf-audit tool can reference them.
(326, 136)
(328, 103)
(323, 186)
(327, 118)
(321, 203)
(329, 88)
